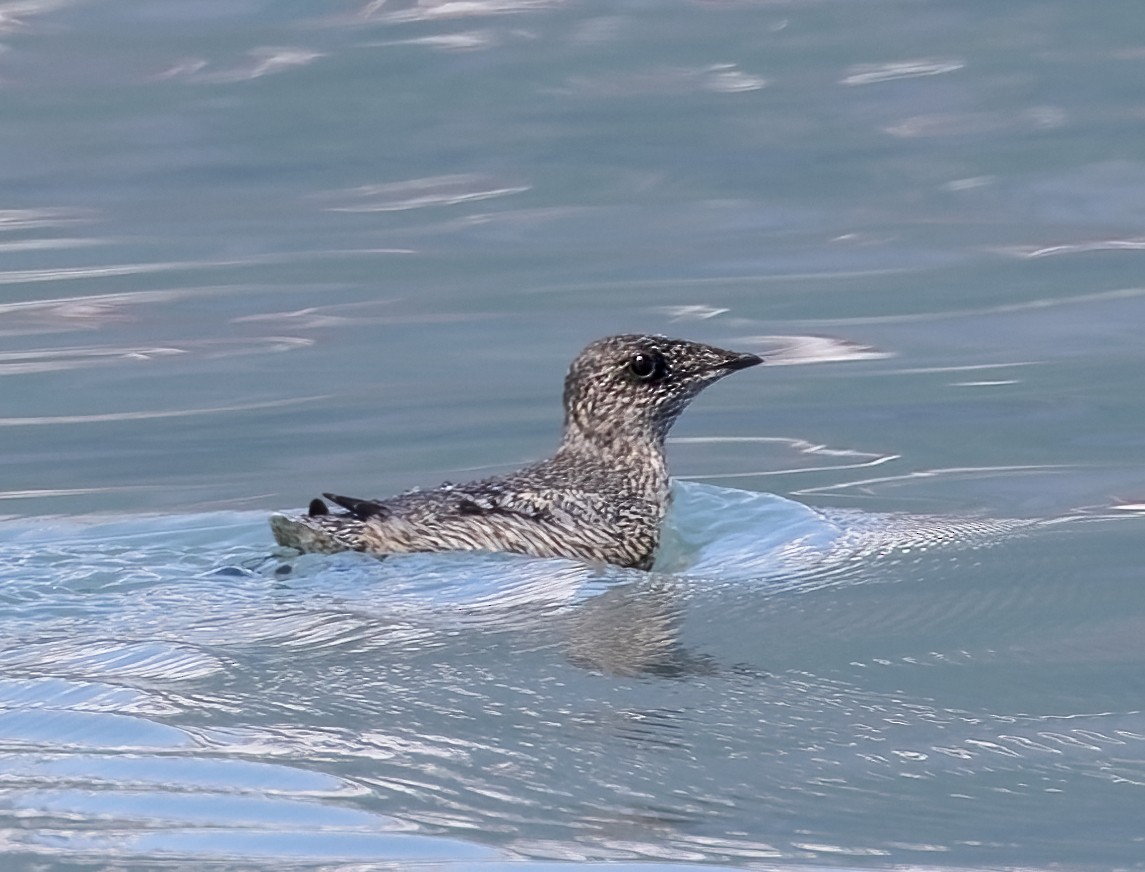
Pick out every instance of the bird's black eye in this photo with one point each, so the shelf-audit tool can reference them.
(648, 366)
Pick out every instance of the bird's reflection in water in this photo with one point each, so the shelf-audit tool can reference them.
(633, 629)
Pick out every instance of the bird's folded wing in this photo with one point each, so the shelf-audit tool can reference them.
(360, 509)
(586, 513)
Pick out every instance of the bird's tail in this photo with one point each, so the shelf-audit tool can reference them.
(325, 534)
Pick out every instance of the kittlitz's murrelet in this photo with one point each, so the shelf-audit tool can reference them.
(601, 497)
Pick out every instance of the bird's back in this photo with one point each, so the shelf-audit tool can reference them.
(553, 509)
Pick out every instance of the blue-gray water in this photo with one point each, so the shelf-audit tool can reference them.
(250, 251)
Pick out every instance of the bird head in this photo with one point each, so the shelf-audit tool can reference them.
(635, 386)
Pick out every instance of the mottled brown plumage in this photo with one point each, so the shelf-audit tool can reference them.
(601, 497)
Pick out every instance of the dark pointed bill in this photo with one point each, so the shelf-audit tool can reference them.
(743, 361)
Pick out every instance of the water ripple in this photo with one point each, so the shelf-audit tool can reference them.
(790, 350)
(152, 414)
(49, 244)
(436, 10)
(1135, 244)
(35, 219)
(420, 193)
(106, 731)
(115, 659)
(259, 62)
(198, 809)
(872, 74)
(720, 78)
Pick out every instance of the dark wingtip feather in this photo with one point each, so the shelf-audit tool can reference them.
(360, 509)
(317, 508)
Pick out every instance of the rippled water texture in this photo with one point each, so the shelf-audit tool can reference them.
(168, 689)
(253, 251)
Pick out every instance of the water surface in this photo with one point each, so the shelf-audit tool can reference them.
(252, 251)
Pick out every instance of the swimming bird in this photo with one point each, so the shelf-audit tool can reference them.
(601, 497)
